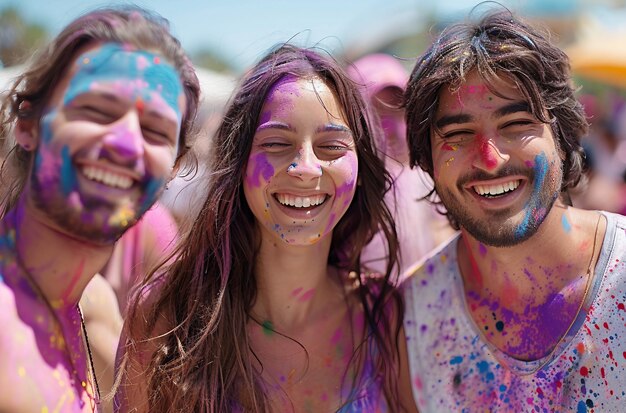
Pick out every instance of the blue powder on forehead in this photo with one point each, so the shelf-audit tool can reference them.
(112, 62)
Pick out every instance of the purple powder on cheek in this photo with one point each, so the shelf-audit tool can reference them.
(260, 167)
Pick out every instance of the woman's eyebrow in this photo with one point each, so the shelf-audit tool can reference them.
(275, 125)
(333, 127)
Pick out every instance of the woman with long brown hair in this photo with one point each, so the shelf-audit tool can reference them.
(267, 307)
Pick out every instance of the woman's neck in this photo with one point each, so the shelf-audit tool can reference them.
(294, 282)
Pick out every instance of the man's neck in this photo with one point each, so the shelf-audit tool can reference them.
(58, 264)
(514, 291)
(559, 251)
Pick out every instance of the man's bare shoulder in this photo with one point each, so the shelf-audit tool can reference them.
(32, 365)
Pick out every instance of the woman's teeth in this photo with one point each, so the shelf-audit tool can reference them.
(301, 201)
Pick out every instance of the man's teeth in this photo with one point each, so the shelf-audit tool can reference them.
(300, 201)
(107, 177)
(498, 189)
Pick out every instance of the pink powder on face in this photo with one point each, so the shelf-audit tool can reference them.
(486, 152)
(139, 105)
(307, 295)
(336, 337)
(448, 147)
(142, 63)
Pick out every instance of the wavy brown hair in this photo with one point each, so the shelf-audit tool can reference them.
(499, 44)
(205, 363)
(129, 25)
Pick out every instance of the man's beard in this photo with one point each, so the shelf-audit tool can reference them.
(504, 228)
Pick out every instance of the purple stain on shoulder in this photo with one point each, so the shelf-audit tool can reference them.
(261, 167)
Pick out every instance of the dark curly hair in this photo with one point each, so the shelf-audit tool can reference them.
(498, 44)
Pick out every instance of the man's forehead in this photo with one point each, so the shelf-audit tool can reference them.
(475, 85)
(114, 61)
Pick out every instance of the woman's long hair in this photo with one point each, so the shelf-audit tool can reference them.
(205, 362)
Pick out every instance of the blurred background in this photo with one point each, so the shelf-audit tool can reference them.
(224, 38)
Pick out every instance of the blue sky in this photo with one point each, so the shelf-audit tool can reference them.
(242, 30)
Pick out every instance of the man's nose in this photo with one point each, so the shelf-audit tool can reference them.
(124, 140)
(489, 155)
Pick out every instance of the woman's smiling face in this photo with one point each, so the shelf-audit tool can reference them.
(302, 171)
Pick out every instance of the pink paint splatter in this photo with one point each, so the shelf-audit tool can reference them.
(307, 295)
(486, 153)
(334, 340)
(73, 282)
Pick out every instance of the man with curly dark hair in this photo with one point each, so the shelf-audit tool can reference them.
(524, 310)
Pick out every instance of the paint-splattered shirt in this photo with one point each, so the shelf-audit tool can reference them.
(453, 369)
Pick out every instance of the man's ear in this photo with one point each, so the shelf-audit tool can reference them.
(26, 134)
